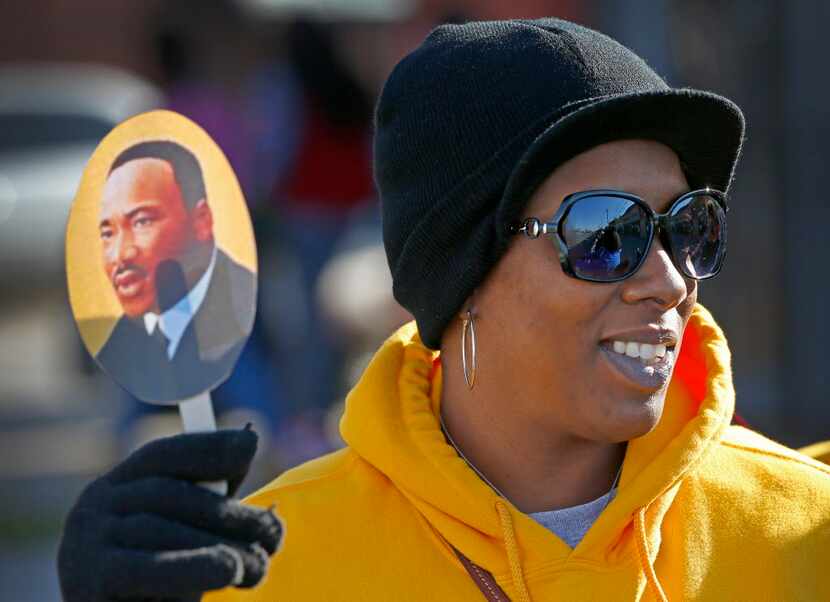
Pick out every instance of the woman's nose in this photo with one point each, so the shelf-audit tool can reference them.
(658, 279)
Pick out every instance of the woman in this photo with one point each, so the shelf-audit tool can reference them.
(540, 432)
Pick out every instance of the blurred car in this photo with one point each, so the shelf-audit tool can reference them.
(52, 116)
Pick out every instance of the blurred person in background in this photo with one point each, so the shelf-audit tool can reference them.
(205, 53)
(314, 195)
(544, 430)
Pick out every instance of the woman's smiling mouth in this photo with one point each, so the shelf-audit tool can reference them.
(645, 358)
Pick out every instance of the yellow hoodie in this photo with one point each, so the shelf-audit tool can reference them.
(704, 510)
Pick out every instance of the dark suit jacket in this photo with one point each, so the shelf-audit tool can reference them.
(208, 349)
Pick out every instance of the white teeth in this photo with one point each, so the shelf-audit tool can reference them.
(645, 351)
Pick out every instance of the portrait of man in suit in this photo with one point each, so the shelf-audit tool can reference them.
(188, 306)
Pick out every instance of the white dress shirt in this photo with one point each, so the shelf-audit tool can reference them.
(175, 320)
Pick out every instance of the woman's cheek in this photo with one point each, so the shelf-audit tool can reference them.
(688, 304)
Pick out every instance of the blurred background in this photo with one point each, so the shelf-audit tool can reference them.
(286, 88)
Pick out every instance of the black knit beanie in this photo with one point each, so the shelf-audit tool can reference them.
(472, 121)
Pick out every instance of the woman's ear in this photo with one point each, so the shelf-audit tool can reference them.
(203, 221)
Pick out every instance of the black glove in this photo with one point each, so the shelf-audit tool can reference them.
(146, 531)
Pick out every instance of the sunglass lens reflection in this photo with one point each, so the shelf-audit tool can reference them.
(697, 233)
(606, 237)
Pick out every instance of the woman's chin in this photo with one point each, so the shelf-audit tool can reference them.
(633, 418)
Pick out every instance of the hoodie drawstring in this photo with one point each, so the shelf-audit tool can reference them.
(645, 562)
(512, 551)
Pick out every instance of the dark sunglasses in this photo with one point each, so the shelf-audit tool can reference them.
(605, 235)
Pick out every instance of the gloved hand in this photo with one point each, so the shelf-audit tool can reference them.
(146, 531)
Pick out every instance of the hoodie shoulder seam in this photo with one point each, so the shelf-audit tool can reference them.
(749, 448)
(278, 488)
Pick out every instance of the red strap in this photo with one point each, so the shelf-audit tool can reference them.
(740, 421)
(483, 579)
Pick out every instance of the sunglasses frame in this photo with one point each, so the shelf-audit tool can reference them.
(533, 228)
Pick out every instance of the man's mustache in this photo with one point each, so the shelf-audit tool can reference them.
(127, 269)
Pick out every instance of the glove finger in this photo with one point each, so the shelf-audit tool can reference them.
(255, 560)
(137, 573)
(153, 533)
(200, 509)
(220, 456)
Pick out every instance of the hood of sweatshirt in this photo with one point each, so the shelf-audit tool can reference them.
(391, 421)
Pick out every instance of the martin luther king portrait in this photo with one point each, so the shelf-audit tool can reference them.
(188, 306)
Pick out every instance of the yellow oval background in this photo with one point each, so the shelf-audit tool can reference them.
(94, 304)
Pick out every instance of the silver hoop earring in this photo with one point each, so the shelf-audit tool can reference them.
(468, 321)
